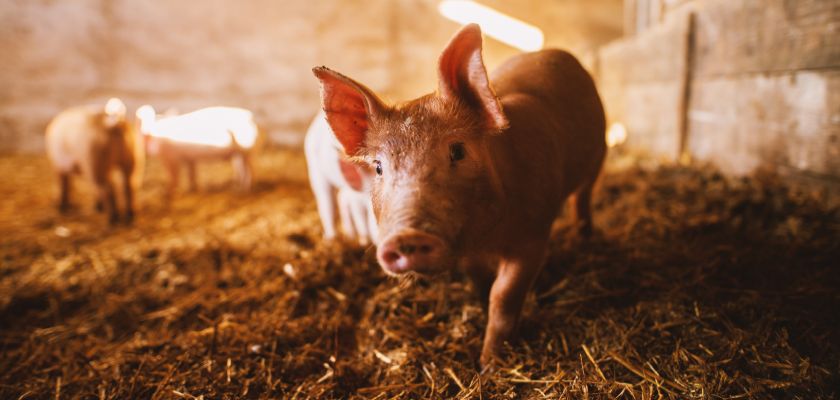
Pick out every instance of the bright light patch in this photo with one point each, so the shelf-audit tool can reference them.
(499, 26)
(213, 126)
(616, 135)
(114, 106)
(145, 113)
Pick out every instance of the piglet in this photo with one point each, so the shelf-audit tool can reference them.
(473, 175)
(205, 134)
(95, 141)
(338, 183)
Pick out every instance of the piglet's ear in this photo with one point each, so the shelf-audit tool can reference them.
(462, 76)
(349, 107)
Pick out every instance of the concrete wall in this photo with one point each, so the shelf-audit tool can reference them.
(251, 53)
(750, 83)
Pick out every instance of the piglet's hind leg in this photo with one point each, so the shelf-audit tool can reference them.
(64, 192)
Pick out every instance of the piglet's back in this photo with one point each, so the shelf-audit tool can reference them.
(553, 105)
(556, 77)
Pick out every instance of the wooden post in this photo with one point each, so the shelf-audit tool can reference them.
(685, 87)
(629, 17)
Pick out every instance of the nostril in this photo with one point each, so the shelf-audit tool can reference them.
(410, 251)
(391, 256)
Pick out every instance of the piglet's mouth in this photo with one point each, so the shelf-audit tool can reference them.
(410, 250)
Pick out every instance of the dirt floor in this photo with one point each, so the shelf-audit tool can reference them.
(694, 286)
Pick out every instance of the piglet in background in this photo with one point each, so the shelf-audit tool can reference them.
(338, 184)
(214, 133)
(96, 141)
(473, 175)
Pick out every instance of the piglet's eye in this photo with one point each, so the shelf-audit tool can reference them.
(378, 166)
(457, 152)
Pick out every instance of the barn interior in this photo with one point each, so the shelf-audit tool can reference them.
(711, 271)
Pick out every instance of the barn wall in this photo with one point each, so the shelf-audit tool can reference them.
(762, 76)
(254, 53)
(186, 54)
(641, 83)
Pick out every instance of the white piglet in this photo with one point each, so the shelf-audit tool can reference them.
(96, 141)
(204, 134)
(339, 184)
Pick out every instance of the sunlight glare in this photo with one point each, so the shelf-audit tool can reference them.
(213, 126)
(616, 135)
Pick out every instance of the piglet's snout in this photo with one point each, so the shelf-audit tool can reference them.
(410, 250)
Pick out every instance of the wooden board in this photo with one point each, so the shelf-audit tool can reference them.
(749, 36)
(641, 80)
(787, 120)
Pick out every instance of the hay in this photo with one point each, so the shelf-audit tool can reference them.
(694, 286)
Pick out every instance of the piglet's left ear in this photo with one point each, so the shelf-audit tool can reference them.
(349, 107)
(462, 75)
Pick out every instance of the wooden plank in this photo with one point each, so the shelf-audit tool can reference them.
(642, 83)
(629, 17)
(748, 36)
(762, 86)
(671, 6)
(651, 118)
(630, 10)
(655, 55)
(787, 120)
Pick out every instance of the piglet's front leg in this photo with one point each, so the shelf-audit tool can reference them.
(514, 279)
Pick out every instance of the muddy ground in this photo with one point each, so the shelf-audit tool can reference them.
(694, 286)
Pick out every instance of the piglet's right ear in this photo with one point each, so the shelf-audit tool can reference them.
(349, 107)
